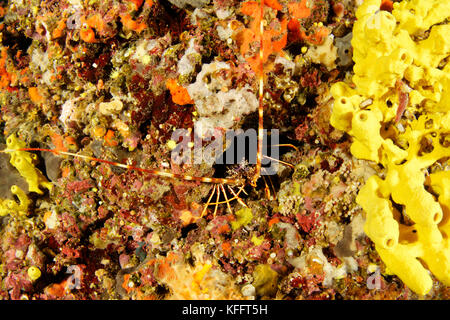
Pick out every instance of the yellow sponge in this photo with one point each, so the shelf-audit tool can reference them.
(11, 206)
(400, 57)
(24, 162)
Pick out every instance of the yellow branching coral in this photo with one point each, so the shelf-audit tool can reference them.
(24, 162)
(400, 64)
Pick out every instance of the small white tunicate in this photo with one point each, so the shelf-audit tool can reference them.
(248, 290)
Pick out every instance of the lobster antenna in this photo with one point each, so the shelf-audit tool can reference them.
(261, 95)
(158, 173)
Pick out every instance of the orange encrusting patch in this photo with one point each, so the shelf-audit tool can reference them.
(131, 24)
(5, 76)
(96, 22)
(179, 94)
(24, 78)
(223, 229)
(274, 39)
(318, 37)
(226, 248)
(300, 10)
(164, 268)
(273, 221)
(125, 283)
(58, 142)
(109, 139)
(35, 96)
(90, 26)
(9, 75)
(57, 289)
(58, 32)
(315, 38)
(274, 4)
(87, 34)
(165, 271)
(70, 141)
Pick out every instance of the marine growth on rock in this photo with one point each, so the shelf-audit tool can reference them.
(105, 103)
